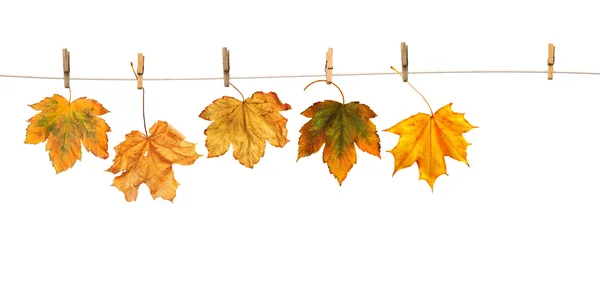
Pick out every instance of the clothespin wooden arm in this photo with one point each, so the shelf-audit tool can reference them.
(140, 71)
(404, 55)
(551, 50)
(66, 67)
(329, 66)
(225, 66)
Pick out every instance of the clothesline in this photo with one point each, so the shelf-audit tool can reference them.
(301, 75)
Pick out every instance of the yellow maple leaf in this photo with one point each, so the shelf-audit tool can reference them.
(143, 159)
(247, 125)
(426, 139)
(65, 125)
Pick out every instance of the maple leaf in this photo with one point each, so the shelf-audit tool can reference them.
(143, 159)
(65, 125)
(338, 126)
(426, 139)
(247, 125)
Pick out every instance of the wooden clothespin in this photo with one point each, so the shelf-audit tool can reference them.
(329, 65)
(550, 61)
(225, 66)
(404, 55)
(66, 67)
(140, 71)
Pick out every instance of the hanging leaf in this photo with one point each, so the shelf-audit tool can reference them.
(65, 125)
(143, 159)
(338, 126)
(247, 125)
(426, 139)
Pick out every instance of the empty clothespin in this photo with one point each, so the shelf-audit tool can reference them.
(66, 67)
(329, 65)
(225, 66)
(404, 56)
(140, 71)
(550, 61)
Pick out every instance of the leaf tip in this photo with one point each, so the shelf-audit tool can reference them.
(377, 153)
(429, 181)
(166, 199)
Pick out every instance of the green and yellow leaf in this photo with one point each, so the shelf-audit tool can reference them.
(338, 126)
(65, 126)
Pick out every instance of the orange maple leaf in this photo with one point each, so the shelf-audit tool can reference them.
(247, 125)
(426, 139)
(143, 159)
(338, 126)
(65, 125)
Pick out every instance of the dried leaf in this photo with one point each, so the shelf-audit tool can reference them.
(247, 125)
(426, 139)
(143, 159)
(65, 126)
(338, 126)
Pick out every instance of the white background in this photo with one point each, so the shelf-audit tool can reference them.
(526, 210)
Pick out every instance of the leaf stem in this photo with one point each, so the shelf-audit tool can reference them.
(144, 109)
(322, 80)
(430, 110)
(143, 100)
(238, 91)
(69, 94)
